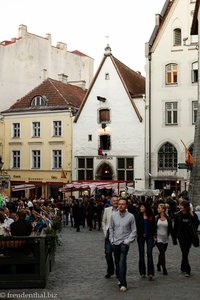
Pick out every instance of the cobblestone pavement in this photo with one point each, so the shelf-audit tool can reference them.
(80, 266)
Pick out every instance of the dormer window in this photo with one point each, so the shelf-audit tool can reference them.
(39, 101)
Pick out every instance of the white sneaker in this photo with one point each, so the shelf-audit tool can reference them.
(123, 289)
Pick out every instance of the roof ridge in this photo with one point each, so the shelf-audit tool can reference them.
(50, 80)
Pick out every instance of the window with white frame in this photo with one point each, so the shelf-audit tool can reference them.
(16, 130)
(36, 159)
(194, 111)
(125, 168)
(16, 159)
(171, 113)
(177, 37)
(57, 128)
(85, 168)
(171, 76)
(36, 129)
(57, 159)
(167, 157)
(38, 101)
(195, 72)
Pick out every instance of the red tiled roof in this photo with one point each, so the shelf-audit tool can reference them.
(59, 95)
(78, 53)
(134, 81)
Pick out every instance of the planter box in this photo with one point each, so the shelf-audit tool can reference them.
(25, 262)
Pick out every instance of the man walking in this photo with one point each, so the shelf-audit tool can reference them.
(122, 232)
(108, 211)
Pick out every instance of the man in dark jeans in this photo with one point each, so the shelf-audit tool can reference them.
(122, 232)
(108, 211)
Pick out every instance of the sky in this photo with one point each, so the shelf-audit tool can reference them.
(87, 25)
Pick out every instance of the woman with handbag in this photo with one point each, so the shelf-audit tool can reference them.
(185, 224)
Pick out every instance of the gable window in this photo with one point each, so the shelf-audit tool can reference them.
(195, 72)
(194, 111)
(16, 159)
(38, 101)
(167, 157)
(36, 129)
(125, 168)
(107, 76)
(171, 74)
(16, 130)
(105, 142)
(36, 159)
(104, 115)
(57, 128)
(57, 159)
(177, 37)
(171, 113)
(85, 168)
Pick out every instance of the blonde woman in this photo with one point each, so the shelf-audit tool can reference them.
(163, 230)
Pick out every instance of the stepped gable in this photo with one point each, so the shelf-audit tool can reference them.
(59, 95)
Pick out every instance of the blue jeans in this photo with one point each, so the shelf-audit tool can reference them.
(141, 247)
(120, 253)
(109, 257)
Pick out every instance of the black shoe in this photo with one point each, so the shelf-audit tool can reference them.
(108, 275)
(158, 268)
(151, 277)
(165, 272)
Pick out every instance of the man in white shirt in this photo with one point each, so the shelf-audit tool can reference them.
(108, 211)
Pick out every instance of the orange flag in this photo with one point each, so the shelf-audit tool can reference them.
(63, 175)
(188, 157)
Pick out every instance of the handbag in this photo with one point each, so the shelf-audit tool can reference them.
(194, 234)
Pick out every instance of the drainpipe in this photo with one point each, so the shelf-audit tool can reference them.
(149, 59)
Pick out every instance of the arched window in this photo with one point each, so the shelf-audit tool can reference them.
(195, 72)
(167, 157)
(171, 76)
(38, 101)
(177, 37)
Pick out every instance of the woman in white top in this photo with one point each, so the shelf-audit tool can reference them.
(163, 229)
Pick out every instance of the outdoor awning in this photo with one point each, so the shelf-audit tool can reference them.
(22, 187)
(92, 185)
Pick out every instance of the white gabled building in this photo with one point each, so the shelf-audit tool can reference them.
(109, 128)
(29, 59)
(171, 95)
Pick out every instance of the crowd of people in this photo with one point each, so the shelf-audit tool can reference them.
(28, 217)
(150, 221)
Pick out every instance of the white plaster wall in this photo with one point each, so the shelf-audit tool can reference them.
(127, 132)
(185, 92)
(23, 62)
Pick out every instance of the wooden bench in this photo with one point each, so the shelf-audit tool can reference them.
(25, 262)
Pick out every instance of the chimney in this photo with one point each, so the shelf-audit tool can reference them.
(157, 19)
(44, 74)
(61, 46)
(22, 31)
(79, 83)
(48, 37)
(62, 77)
